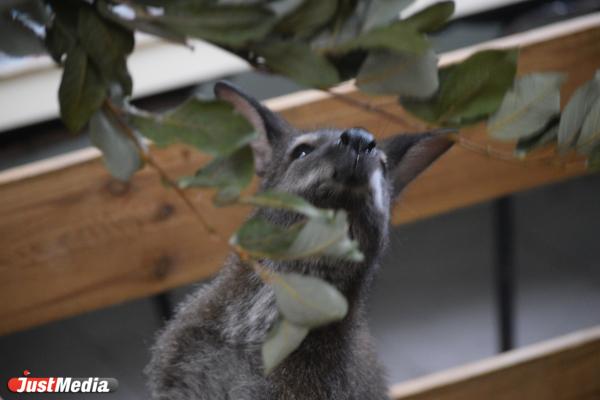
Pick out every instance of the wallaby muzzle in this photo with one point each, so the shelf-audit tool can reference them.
(356, 151)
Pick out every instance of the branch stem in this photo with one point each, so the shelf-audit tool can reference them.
(370, 108)
(113, 110)
(263, 273)
(552, 159)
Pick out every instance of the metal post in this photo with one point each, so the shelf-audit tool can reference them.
(504, 271)
(162, 301)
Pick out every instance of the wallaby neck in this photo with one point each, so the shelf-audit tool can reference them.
(249, 308)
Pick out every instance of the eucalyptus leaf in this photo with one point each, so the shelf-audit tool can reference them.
(107, 44)
(401, 74)
(469, 91)
(59, 40)
(318, 236)
(121, 155)
(575, 112)
(346, 17)
(228, 25)
(398, 36)
(299, 62)
(382, 12)
(212, 126)
(326, 236)
(287, 201)
(308, 301)
(81, 90)
(230, 174)
(528, 107)
(593, 161)
(150, 26)
(263, 239)
(67, 13)
(168, 3)
(33, 10)
(306, 19)
(544, 137)
(433, 17)
(282, 339)
(16, 39)
(589, 139)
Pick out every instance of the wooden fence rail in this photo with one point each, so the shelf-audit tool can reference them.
(73, 240)
(566, 368)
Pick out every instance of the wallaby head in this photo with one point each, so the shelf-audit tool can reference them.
(337, 168)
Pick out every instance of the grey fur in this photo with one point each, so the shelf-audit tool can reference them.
(211, 349)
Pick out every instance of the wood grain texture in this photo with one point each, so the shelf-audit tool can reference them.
(567, 368)
(73, 240)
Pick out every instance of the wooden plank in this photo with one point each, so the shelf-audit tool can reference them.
(74, 240)
(567, 368)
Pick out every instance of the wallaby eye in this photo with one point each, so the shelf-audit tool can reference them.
(302, 150)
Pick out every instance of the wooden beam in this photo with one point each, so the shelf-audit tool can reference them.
(567, 368)
(75, 240)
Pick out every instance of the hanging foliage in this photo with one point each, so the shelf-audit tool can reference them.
(317, 44)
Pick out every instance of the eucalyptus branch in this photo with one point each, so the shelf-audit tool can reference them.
(551, 159)
(263, 273)
(484, 149)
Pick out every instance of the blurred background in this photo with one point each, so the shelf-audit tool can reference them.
(435, 303)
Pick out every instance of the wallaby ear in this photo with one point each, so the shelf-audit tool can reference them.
(409, 155)
(271, 128)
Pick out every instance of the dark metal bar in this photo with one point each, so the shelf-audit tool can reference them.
(162, 301)
(504, 271)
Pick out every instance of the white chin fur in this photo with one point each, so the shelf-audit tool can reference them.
(376, 184)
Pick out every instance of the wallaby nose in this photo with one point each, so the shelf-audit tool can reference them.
(358, 139)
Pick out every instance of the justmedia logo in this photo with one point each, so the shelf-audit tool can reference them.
(29, 384)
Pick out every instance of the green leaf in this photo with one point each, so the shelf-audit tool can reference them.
(121, 155)
(16, 39)
(298, 62)
(34, 10)
(107, 45)
(230, 174)
(262, 238)
(326, 236)
(282, 339)
(575, 112)
(212, 126)
(307, 18)
(398, 37)
(58, 40)
(286, 201)
(318, 236)
(345, 17)
(401, 74)
(469, 91)
(544, 137)
(228, 25)
(66, 12)
(308, 301)
(432, 18)
(382, 12)
(589, 138)
(528, 107)
(593, 161)
(81, 91)
(152, 27)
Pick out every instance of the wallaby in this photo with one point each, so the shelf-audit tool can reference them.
(212, 347)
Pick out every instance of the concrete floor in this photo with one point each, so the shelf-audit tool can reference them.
(431, 309)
